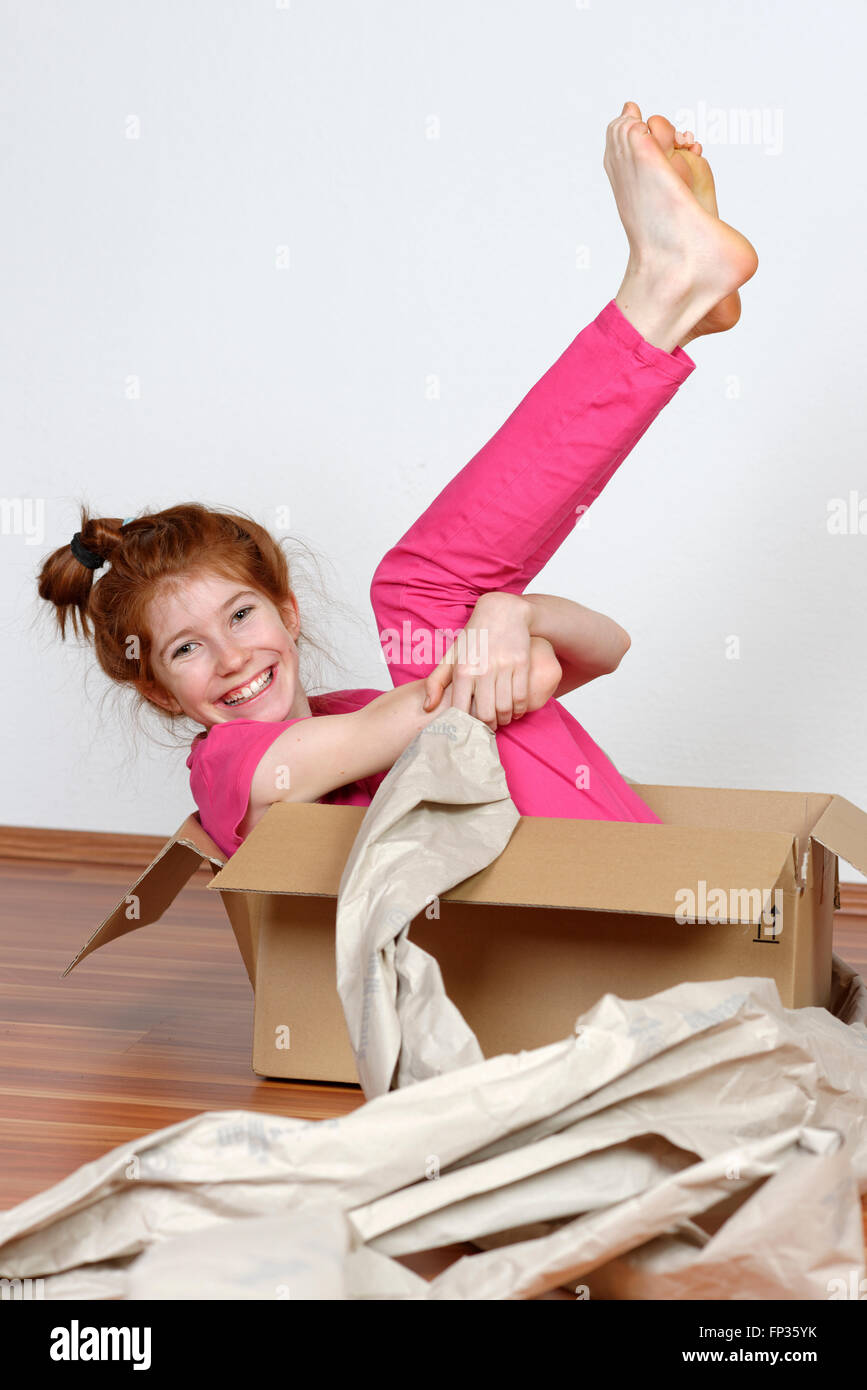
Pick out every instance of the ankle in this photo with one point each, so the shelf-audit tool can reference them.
(662, 325)
(665, 308)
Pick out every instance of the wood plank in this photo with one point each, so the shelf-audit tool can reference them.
(78, 846)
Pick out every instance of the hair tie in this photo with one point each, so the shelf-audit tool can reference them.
(89, 557)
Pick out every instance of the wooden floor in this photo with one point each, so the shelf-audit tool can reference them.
(152, 1029)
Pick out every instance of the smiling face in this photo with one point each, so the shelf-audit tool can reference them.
(211, 637)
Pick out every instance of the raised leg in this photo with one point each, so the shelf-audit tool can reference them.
(503, 516)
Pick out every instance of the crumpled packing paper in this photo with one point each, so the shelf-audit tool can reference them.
(445, 801)
(659, 1151)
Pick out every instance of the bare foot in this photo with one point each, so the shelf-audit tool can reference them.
(683, 259)
(684, 152)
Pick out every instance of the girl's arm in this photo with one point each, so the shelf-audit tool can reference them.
(588, 644)
(317, 755)
(542, 646)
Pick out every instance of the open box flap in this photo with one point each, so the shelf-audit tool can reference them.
(601, 866)
(156, 887)
(842, 828)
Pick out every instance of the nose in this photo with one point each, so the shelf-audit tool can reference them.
(230, 657)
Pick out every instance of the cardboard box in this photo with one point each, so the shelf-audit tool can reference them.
(569, 911)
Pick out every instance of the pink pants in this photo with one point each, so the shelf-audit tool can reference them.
(502, 517)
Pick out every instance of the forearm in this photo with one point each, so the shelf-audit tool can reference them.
(588, 644)
(393, 719)
(337, 749)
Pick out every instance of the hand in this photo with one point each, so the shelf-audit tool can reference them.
(504, 672)
(546, 673)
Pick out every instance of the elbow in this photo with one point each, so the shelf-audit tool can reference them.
(623, 648)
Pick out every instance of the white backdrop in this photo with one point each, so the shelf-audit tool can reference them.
(310, 256)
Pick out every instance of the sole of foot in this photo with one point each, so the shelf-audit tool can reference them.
(684, 154)
(660, 179)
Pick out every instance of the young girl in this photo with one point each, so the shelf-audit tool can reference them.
(180, 578)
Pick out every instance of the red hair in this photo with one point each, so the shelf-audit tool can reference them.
(144, 556)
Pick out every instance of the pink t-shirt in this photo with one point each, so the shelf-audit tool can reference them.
(493, 527)
(222, 762)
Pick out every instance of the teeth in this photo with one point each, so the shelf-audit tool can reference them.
(248, 691)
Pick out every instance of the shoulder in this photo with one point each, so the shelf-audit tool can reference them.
(235, 743)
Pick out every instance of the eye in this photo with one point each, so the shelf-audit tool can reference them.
(248, 609)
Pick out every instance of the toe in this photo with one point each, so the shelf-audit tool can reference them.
(637, 131)
(639, 140)
(663, 132)
(682, 167)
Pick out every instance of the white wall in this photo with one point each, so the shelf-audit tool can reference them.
(308, 125)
